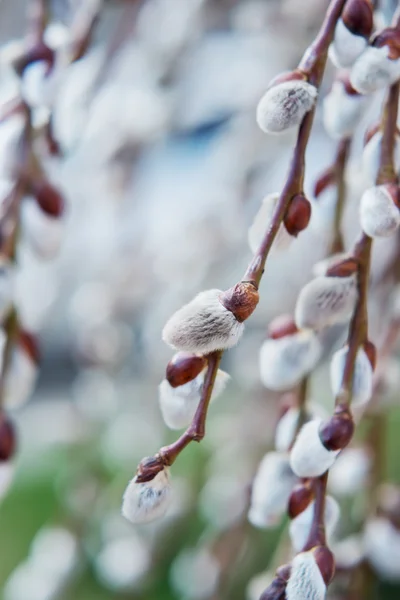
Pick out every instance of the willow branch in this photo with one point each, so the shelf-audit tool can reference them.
(358, 332)
(37, 19)
(339, 170)
(313, 65)
(317, 532)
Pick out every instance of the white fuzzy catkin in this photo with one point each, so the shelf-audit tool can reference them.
(299, 528)
(122, 563)
(271, 489)
(305, 581)
(309, 457)
(374, 70)
(348, 552)
(346, 46)
(349, 474)
(372, 154)
(262, 222)
(38, 86)
(284, 105)
(379, 216)
(20, 379)
(342, 112)
(203, 325)
(322, 266)
(326, 301)
(144, 502)
(178, 405)
(285, 361)
(382, 548)
(286, 428)
(43, 233)
(195, 574)
(362, 377)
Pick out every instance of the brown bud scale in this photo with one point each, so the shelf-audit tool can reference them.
(358, 17)
(241, 300)
(295, 75)
(7, 439)
(283, 572)
(337, 432)
(394, 191)
(343, 77)
(344, 268)
(184, 367)
(371, 131)
(389, 37)
(275, 591)
(297, 215)
(370, 351)
(35, 53)
(326, 562)
(325, 180)
(300, 498)
(282, 326)
(148, 468)
(29, 343)
(48, 197)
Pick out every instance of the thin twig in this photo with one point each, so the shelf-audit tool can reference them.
(313, 64)
(339, 169)
(358, 333)
(317, 532)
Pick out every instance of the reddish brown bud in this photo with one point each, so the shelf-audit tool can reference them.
(275, 591)
(344, 78)
(38, 52)
(337, 432)
(370, 351)
(301, 497)
(184, 367)
(325, 180)
(394, 192)
(298, 215)
(48, 197)
(295, 75)
(344, 268)
(389, 37)
(29, 343)
(149, 467)
(241, 300)
(325, 561)
(358, 16)
(7, 438)
(282, 326)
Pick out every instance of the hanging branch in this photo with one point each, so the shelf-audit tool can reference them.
(312, 68)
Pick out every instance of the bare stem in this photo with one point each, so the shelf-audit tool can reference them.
(37, 19)
(196, 430)
(301, 402)
(358, 332)
(339, 170)
(313, 64)
(317, 532)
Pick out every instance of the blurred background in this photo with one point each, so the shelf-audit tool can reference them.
(163, 169)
